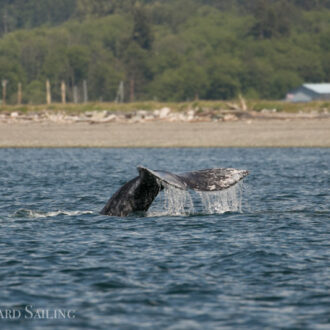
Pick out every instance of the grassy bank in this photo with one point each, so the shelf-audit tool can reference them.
(278, 106)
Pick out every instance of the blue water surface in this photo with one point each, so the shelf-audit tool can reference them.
(265, 267)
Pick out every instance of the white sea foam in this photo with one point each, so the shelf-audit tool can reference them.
(23, 213)
(174, 201)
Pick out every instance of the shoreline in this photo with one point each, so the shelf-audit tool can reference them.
(260, 133)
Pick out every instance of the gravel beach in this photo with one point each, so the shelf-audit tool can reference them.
(241, 133)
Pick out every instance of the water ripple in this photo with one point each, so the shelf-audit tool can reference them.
(264, 264)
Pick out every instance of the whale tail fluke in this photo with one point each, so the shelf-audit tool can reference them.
(202, 180)
(138, 194)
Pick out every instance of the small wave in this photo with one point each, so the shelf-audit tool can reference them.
(24, 213)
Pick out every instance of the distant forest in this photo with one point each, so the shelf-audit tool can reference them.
(165, 50)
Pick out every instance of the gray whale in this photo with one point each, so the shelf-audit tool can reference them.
(137, 194)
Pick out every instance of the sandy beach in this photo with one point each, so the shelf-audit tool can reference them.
(241, 133)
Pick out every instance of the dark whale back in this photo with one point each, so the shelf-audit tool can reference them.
(135, 195)
(138, 194)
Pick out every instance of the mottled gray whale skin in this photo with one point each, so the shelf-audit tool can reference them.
(138, 194)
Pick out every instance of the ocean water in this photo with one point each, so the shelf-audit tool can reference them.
(256, 258)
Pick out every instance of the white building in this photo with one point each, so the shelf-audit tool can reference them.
(309, 92)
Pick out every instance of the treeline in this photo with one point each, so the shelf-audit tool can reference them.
(167, 50)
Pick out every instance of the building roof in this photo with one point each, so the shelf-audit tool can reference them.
(323, 88)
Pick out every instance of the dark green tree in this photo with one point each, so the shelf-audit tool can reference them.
(188, 82)
(272, 20)
(223, 73)
(98, 8)
(142, 30)
(138, 71)
(13, 72)
(308, 4)
(78, 59)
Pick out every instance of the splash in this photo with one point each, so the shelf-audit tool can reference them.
(228, 200)
(178, 201)
(24, 213)
(174, 201)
